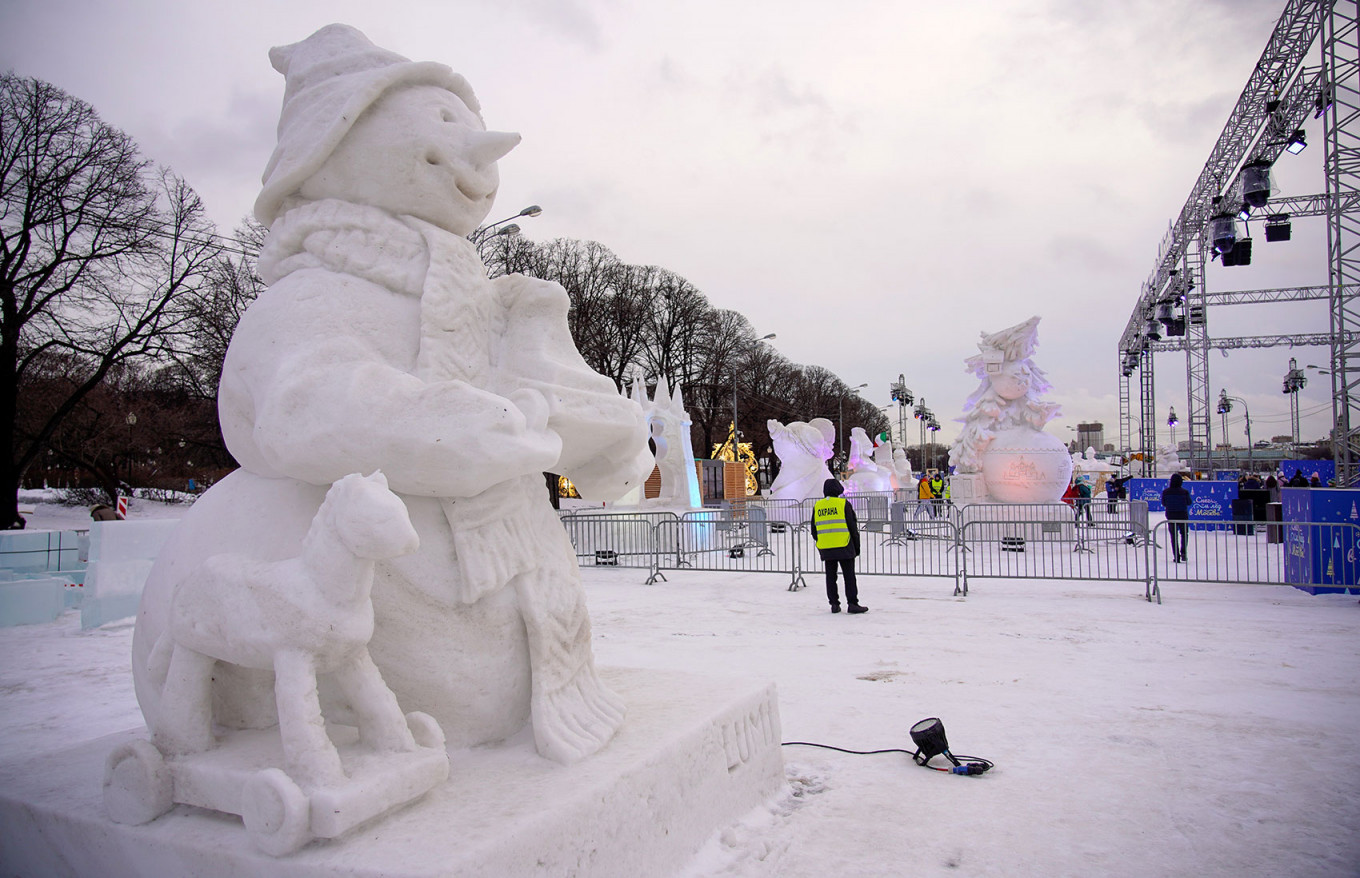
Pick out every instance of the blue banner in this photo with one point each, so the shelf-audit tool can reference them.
(1209, 501)
(1321, 556)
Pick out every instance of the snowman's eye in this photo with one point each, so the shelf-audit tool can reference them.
(446, 115)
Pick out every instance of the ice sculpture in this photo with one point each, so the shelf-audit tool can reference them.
(300, 617)
(866, 475)
(803, 448)
(382, 344)
(1002, 438)
(669, 426)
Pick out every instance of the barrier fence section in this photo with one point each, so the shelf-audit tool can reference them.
(616, 540)
(718, 541)
(979, 541)
(1301, 553)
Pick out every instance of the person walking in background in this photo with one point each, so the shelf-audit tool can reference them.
(1083, 508)
(1297, 480)
(923, 496)
(836, 531)
(1176, 502)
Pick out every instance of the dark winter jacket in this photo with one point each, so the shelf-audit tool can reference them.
(1176, 501)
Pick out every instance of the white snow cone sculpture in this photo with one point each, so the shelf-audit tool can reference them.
(803, 448)
(1003, 436)
(381, 344)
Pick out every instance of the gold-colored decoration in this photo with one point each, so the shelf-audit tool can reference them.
(747, 457)
(565, 488)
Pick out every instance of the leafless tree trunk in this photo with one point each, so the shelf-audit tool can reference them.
(98, 257)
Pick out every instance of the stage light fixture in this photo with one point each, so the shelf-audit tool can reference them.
(1223, 230)
(1176, 327)
(1297, 143)
(1256, 185)
(1278, 227)
(1154, 330)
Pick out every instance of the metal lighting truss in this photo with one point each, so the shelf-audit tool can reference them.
(1339, 106)
(1279, 95)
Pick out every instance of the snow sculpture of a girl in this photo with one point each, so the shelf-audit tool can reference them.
(381, 343)
(1002, 438)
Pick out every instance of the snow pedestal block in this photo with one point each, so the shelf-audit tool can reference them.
(693, 756)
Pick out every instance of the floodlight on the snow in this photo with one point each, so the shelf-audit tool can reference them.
(929, 738)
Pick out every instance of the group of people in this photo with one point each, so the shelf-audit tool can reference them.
(932, 490)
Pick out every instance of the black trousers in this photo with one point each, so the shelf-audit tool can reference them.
(1177, 530)
(851, 589)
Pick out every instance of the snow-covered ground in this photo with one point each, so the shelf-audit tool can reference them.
(1215, 735)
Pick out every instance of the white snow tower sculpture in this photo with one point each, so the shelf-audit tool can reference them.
(1003, 438)
(382, 344)
(668, 426)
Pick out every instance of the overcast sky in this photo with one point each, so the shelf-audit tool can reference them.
(875, 182)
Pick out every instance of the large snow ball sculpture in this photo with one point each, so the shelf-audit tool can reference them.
(1023, 465)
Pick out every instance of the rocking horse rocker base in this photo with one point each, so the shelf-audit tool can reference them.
(240, 776)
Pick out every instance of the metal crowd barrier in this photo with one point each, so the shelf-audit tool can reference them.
(1305, 553)
(979, 541)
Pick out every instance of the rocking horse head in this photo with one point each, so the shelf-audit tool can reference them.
(367, 518)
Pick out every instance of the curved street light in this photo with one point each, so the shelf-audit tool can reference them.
(1225, 405)
(499, 228)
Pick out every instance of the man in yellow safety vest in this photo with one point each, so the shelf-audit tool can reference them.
(837, 534)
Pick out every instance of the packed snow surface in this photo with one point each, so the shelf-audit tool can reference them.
(1217, 734)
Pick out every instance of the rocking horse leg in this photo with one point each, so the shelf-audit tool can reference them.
(381, 723)
(308, 752)
(184, 720)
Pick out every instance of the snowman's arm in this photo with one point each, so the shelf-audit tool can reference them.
(318, 387)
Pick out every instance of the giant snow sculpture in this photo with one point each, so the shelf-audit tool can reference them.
(803, 448)
(381, 344)
(1002, 439)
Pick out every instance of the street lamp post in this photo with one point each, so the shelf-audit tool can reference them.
(840, 428)
(500, 227)
(1224, 406)
(1171, 422)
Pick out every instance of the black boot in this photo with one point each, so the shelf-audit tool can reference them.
(835, 608)
(856, 608)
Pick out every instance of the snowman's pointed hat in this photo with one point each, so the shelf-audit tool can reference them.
(330, 79)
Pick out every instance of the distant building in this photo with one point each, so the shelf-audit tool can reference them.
(1090, 435)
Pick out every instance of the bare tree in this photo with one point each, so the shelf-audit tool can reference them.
(98, 256)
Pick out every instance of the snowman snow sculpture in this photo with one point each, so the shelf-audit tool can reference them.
(382, 344)
(1002, 438)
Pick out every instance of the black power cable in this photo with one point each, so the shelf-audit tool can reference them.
(967, 765)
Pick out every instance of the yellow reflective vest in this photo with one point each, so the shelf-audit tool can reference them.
(832, 530)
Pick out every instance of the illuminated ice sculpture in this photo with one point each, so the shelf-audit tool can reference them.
(1003, 439)
(382, 344)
